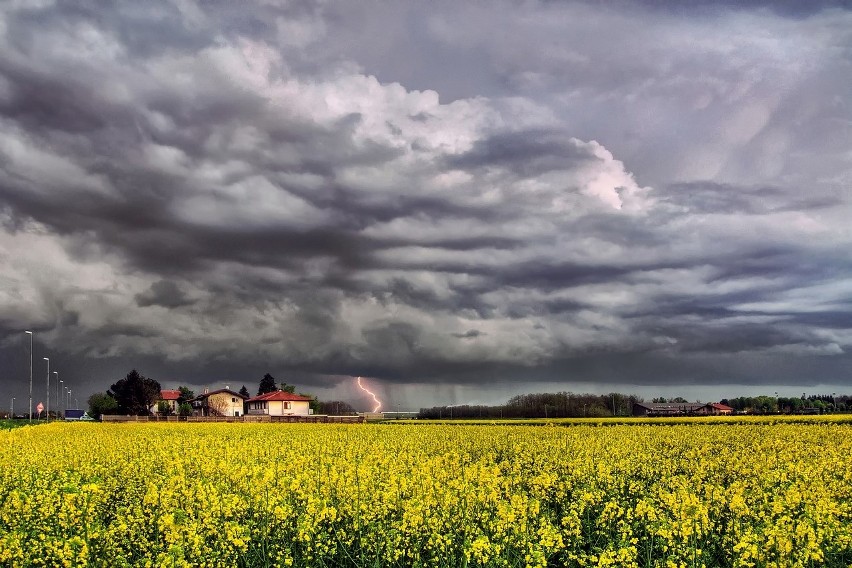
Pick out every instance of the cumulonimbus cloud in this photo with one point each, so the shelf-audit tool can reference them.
(215, 195)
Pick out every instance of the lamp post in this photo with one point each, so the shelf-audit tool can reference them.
(12, 411)
(47, 405)
(58, 404)
(31, 373)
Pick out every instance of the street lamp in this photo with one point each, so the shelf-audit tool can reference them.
(47, 405)
(58, 404)
(31, 373)
(12, 411)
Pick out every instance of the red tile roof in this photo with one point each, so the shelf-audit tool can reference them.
(279, 395)
(719, 406)
(169, 394)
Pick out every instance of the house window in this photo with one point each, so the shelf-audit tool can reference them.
(286, 405)
(233, 399)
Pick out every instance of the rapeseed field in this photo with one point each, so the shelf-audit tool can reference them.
(113, 495)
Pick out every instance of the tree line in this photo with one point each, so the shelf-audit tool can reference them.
(571, 405)
(541, 405)
(790, 405)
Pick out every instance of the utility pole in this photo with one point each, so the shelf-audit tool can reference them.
(31, 374)
(47, 407)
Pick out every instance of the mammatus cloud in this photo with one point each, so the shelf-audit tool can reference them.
(204, 187)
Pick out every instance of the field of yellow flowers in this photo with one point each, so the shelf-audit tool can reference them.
(430, 495)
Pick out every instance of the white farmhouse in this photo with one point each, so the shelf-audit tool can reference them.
(222, 402)
(278, 403)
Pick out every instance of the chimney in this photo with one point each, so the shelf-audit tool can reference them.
(206, 390)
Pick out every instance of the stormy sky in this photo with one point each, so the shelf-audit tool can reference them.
(459, 201)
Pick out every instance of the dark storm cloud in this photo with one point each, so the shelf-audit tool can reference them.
(164, 293)
(469, 334)
(526, 153)
(650, 192)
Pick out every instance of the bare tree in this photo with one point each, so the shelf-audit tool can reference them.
(216, 406)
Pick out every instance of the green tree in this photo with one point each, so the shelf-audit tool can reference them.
(164, 408)
(135, 393)
(185, 409)
(765, 404)
(102, 403)
(267, 384)
(245, 392)
(185, 395)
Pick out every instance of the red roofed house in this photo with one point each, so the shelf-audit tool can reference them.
(279, 403)
(718, 408)
(170, 397)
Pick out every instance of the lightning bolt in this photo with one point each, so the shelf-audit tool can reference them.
(369, 392)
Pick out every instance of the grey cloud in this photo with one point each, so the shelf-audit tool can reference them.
(711, 7)
(400, 344)
(469, 334)
(526, 153)
(709, 197)
(164, 293)
(290, 210)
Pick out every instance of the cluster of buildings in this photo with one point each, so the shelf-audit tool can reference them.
(225, 402)
(680, 409)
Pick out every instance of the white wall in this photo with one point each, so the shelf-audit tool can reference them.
(297, 407)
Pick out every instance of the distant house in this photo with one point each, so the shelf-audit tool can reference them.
(170, 397)
(278, 403)
(680, 409)
(222, 402)
(666, 408)
(716, 408)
